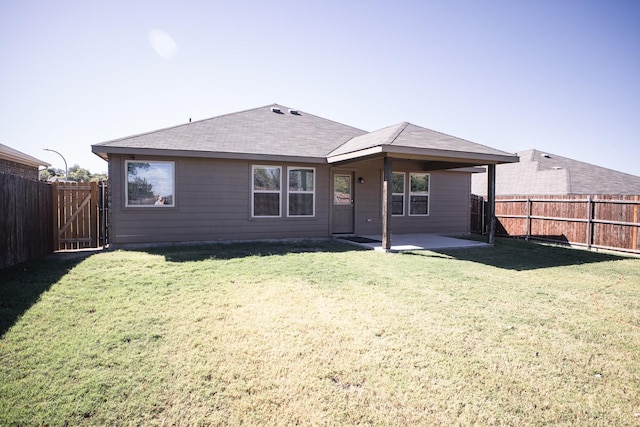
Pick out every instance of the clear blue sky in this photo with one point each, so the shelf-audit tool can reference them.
(561, 76)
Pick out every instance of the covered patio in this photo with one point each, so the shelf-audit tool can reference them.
(435, 151)
(414, 242)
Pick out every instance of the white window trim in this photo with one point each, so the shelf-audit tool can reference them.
(313, 214)
(403, 194)
(126, 184)
(419, 193)
(254, 191)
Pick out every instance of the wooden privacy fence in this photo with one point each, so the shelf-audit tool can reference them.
(596, 221)
(477, 214)
(26, 230)
(79, 211)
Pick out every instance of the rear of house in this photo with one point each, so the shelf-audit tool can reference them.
(273, 172)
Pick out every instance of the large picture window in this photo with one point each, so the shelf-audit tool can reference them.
(419, 194)
(150, 184)
(301, 191)
(397, 193)
(266, 191)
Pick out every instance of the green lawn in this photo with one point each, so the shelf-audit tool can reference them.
(322, 333)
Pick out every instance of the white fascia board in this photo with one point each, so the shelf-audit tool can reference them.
(355, 154)
(449, 155)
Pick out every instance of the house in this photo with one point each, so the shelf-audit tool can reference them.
(275, 172)
(543, 173)
(15, 162)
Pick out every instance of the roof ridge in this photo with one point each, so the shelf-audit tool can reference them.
(395, 136)
(389, 140)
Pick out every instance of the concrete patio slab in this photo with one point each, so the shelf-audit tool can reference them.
(413, 242)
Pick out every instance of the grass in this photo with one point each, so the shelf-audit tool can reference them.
(322, 333)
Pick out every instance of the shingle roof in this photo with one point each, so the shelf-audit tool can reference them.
(277, 131)
(407, 135)
(543, 173)
(259, 131)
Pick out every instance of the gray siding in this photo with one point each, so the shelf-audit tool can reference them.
(213, 203)
(449, 209)
(368, 214)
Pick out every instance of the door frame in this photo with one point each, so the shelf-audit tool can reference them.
(351, 173)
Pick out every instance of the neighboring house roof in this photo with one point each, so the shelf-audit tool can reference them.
(16, 156)
(276, 132)
(543, 173)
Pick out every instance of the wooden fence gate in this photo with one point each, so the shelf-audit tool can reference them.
(79, 215)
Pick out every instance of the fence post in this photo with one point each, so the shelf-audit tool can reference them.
(528, 218)
(103, 213)
(56, 216)
(95, 215)
(484, 216)
(589, 219)
(634, 237)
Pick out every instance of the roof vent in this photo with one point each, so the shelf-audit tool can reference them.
(294, 112)
(546, 156)
(556, 168)
(276, 110)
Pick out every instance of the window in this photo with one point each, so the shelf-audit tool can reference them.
(266, 191)
(397, 193)
(301, 192)
(150, 184)
(342, 189)
(419, 194)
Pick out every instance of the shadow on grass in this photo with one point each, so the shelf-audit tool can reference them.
(188, 253)
(21, 285)
(513, 254)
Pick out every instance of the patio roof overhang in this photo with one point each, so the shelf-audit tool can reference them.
(433, 159)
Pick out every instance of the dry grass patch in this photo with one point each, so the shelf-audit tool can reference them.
(323, 333)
